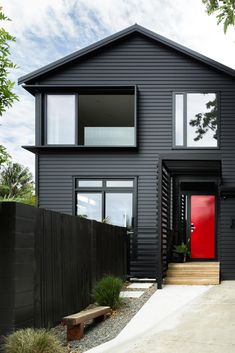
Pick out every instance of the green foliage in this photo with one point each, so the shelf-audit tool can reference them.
(207, 121)
(16, 184)
(7, 97)
(224, 10)
(16, 181)
(27, 200)
(4, 156)
(32, 341)
(182, 249)
(106, 220)
(107, 291)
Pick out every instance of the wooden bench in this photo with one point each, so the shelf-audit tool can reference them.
(76, 322)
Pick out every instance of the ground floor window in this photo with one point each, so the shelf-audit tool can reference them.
(89, 205)
(109, 200)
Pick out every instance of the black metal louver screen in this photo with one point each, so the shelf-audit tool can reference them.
(182, 227)
(165, 217)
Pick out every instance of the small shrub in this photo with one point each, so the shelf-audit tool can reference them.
(184, 250)
(27, 200)
(107, 291)
(32, 341)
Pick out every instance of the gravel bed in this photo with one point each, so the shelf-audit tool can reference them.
(98, 333)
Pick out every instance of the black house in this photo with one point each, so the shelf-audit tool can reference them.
(140, 131)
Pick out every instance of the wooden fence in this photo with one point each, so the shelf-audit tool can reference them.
(49, 263)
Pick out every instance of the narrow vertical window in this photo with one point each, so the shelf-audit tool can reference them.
(60, 119)
(179, 120)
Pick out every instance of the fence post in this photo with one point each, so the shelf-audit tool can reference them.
(127, 254)
(7, 271)
(93, 250)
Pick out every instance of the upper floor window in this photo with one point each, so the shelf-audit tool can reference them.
(61, 119)
(91, 119)
(195, 120)
(106, 120)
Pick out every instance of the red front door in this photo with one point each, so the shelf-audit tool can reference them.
(202, 226)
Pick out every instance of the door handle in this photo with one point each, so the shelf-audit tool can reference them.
(192, 227)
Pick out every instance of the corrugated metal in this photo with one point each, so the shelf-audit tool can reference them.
(157, 71)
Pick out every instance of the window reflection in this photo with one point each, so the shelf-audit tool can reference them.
(119, 209)
(109, 200)
(179, 120)
(89, 205)
(119, 183)
(202, 120)
(60, 119)
(196, 120)
(90, 183)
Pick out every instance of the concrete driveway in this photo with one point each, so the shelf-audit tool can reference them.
(205, 324)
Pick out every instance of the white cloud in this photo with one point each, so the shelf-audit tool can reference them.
(17, 129)
(49, 29)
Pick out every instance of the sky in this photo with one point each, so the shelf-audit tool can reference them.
(47, 30)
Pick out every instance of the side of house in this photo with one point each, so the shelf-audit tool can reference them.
(114, 139)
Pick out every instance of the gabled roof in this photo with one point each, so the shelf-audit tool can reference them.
(119, 35)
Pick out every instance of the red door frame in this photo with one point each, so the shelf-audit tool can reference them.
(189, 223)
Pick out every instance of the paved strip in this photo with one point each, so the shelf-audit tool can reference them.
(140, 285)
(131, 294)
(206, 325)
(152, 318)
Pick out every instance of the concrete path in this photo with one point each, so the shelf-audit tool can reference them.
(176, 319)
(205, 325)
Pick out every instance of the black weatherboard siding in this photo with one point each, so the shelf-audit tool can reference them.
(157, 70)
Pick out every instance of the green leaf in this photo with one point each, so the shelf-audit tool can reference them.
(7, 96)
(224, 11)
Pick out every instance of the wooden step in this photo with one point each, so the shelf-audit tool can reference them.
(194, 268)
(200, 273)
(191, 273)
(191, 281)
(194, 265)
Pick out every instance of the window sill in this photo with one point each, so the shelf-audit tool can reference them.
(73, 148)
(196, 148)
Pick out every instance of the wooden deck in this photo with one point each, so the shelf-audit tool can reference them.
(190, 273)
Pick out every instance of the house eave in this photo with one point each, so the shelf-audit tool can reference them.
(80, 149)
(34, 89)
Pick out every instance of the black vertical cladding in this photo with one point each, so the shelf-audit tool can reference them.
(46, 267)
(157, 71)
(16, 267)
(7, 258)
(24, 265)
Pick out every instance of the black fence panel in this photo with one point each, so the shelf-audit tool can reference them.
(50, 262)
(111, 245)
